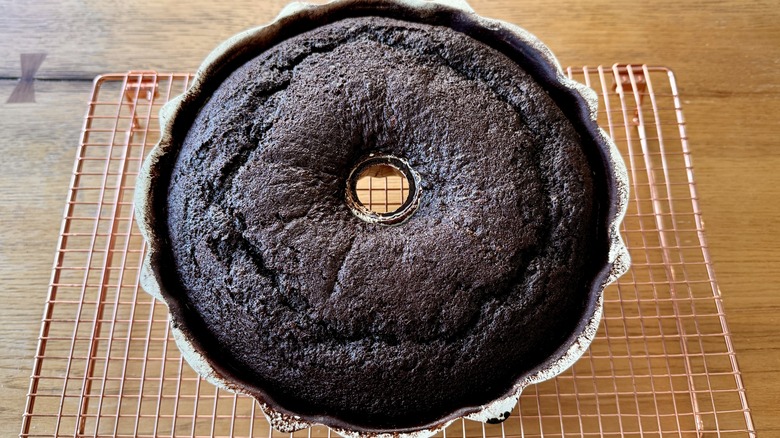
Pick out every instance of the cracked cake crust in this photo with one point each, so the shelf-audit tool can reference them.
(363, 326)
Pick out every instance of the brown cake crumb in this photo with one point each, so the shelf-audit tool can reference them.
(383, 327)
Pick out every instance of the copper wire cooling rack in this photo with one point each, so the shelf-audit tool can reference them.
(662, 365)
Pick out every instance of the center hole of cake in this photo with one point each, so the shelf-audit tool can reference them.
(383, 189)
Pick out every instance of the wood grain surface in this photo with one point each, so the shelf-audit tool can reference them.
(726, 55)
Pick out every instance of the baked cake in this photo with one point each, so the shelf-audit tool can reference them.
(280, 289)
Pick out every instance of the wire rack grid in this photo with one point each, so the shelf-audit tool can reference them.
(384, 191)
(662, 364)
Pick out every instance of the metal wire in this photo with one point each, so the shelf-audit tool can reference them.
(662, 365)
(385, 193)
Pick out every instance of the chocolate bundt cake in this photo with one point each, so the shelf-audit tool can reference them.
(488, 279)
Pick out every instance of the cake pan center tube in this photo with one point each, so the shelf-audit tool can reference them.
(383, 166)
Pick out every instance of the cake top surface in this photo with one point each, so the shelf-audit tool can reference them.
(358, 324)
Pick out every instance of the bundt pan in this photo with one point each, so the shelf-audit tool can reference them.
(281, 285)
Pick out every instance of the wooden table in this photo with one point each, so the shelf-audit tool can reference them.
(726, 55)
